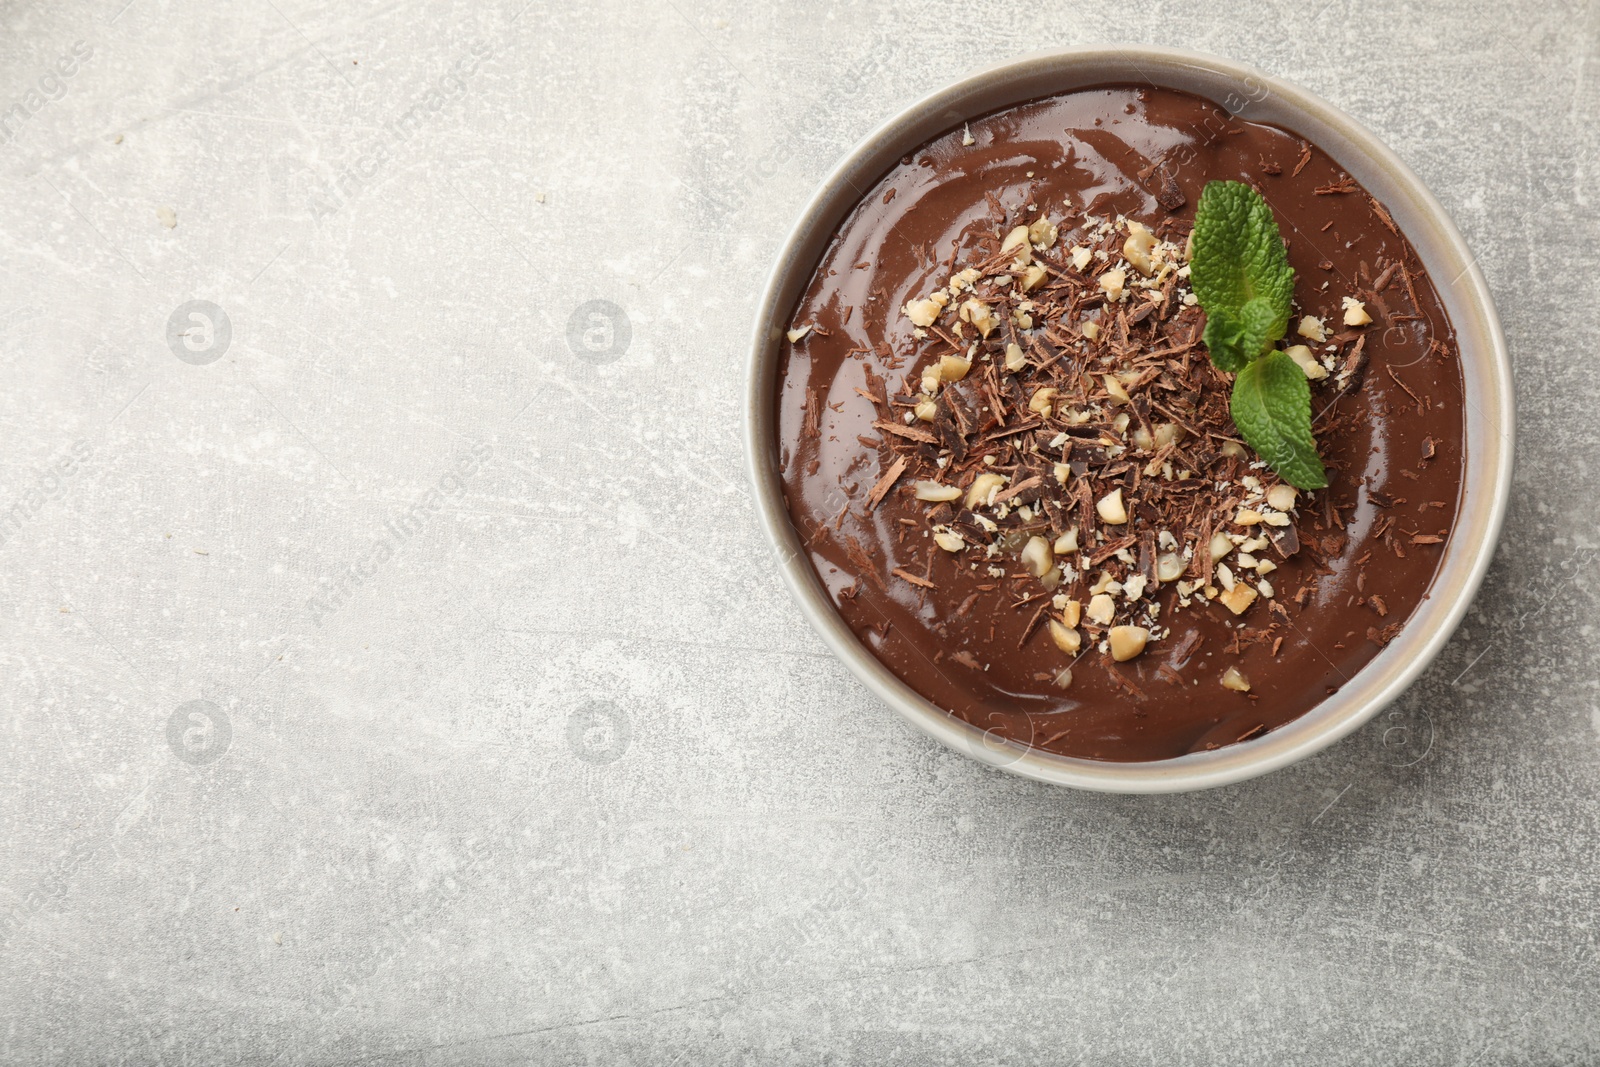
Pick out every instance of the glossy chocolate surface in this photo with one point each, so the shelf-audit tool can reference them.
(1395, 461)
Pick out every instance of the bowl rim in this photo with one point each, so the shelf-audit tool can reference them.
(1489, 425)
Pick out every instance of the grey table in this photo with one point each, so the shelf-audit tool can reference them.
(393, 671)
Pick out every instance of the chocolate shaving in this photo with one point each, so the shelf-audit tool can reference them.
(910, 433)
(912, 578)
(884, 484)
(1383, 216)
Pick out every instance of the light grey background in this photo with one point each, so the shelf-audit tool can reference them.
(555, 773)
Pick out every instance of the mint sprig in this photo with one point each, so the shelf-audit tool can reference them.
(1241, 276)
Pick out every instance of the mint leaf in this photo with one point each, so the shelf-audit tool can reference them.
(1235, 340)
(1271, 405)
(1239, 258)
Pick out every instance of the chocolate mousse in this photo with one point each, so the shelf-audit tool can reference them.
(1013, 464)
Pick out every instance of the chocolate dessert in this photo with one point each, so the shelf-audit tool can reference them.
(1008, 447)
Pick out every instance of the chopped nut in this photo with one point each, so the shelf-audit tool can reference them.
(1232, 679)
(1169, 567)
(1102, 609)
(1275, 519)
(1064, 678)
(1143, 440)
(924, 312)
(1168, 433)
(1081, 257)
(1247, 517)
(1042, 232)
(1111, 508)
(1234, 449)
(1265, 588)
(1091, 330)
(1306, 361)
(979, 314)
(1282, 496)
(1072, 613)
(1136, 249)
(953, 368)
(937, 491)
(1355, 312)
(1063, 472)
(1017, 240)
(927, 410)
(1067, 640)
(1031, 277)
(1133, 588)
(1041, 400)
(1220, 545)
(1036, 556)
(798, 332)
(1265, 566)
(1067, 542)
(1127, 642)
(1312, 328)
(949, 541)
(963, 279)
(1225, 577)
(1113, 281)
(1015, 360)
(1238, 598)
(1119, 394)
(983, 487)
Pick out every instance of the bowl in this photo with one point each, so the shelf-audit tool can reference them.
(1253, 96)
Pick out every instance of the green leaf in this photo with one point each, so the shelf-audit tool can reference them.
(1236, 339)
(1272, 407)
(1239, 258)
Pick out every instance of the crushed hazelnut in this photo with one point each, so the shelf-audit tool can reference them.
(1072, 613)
(1355, 312)
(1036, 556)
(1067, 542)
(1066, 639)
(1041, 400)
(1238, 598)
(924, 312)
(1111, 509)
(1042, 232)
(937, 491)
(1102, 609)
(953, 368)
(1306, 361)
(983, 487)
(798, 332)
(1015, 360)
(1232, 679)
(1127, 642)
(1136, 249)
(949, 541)
(979, 314)
(1282, 496)
(1113, 282)
(1312, 328)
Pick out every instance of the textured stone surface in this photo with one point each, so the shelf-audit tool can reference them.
(560, 775)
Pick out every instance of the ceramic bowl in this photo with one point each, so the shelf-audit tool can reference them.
(1253, 96)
